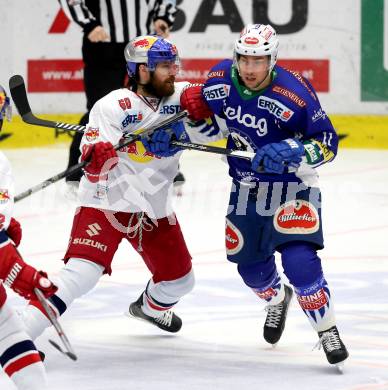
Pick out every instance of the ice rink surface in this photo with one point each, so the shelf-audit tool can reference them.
(220, 345)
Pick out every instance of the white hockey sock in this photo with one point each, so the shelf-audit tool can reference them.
(32, 377)
(77, 278)
(18, 355)
(162, 296)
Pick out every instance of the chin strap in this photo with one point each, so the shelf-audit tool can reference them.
(257, 88)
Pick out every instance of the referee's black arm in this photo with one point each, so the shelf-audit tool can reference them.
(122, 19)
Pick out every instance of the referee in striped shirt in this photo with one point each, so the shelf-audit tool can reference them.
(107, 26)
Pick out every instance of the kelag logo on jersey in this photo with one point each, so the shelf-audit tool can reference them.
(248, 120)
(132, 118)
(216, 92)
(170, 109)
(275, 107)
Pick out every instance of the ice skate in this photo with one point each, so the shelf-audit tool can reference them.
(179, 180)
(169, 321)
(276, 318)
(335, 350)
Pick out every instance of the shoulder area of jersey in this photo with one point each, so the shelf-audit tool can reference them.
(220, 72)
(293, 86)
(119, 99)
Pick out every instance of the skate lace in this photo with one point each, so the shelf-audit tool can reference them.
(329, 340)
(165, 319)
(274, 315)
(137, 229)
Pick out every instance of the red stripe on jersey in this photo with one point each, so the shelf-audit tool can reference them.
(23, 362)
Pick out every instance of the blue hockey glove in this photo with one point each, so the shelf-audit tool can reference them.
(159, 142)
(274, 157)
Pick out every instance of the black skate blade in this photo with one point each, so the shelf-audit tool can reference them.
(70, 355)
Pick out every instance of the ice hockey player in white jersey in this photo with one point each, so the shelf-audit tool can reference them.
(127, 195)
(19, 357)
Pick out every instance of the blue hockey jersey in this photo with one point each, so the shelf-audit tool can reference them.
(287, 108)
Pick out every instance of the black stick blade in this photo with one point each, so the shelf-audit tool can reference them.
(19, 97)
(70, 355)
(19, 94)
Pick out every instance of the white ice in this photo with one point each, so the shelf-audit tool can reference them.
(220, 345)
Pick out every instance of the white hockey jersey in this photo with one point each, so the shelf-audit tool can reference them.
(6, 196)
(141, 181)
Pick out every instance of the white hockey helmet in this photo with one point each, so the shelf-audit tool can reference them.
(149, 50)
(257, 40)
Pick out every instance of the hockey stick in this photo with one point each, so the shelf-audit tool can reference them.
(214, 149)
(76, 168)
(19, 96)
(68, 349)
(52, 318)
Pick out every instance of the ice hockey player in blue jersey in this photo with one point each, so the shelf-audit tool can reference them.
(275, 201)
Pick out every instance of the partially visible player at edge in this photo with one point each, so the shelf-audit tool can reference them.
(127, 195)
(275, 200)
(19, 357)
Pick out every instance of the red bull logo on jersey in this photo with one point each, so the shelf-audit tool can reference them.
(137, 152)
(4, 196)
(296, 217)
(234, 240)
(276, 108)
(92, 133)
